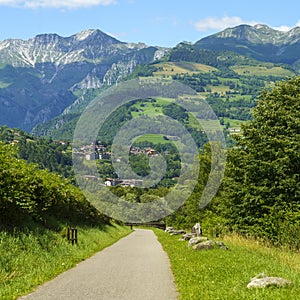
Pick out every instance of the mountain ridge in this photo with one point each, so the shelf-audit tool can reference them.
(89, 44)
(40, 77)
(259, 41)
(263, 33)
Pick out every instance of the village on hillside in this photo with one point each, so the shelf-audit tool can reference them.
(99, 151)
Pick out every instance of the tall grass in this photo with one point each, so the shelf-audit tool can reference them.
(224, 274)
(31, 257)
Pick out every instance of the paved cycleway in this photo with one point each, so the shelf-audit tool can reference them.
(134, 268)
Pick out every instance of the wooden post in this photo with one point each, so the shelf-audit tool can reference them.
(72, 235)
(72, 230)
(68, 234)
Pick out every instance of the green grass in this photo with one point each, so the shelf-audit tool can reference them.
(224, 274)
(153, 138)
(234, 122)
(30, 258)
(146, 109)
(150, 108)
(222, 89)
(195, 67)
(163, 101)
(262, 71)
(172, 68)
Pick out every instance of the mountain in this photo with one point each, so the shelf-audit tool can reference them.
(43, 76)
(260, 42)
(229, 81)
(49, 79)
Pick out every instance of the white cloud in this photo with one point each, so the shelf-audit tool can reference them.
(216, 24)
(286, 28)
(56, 3)
(9, 2)
(213, 23)
(283, 28)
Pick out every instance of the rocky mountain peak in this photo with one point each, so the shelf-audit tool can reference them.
(95, 35)
(46, 38)
(259, 41)
(81, 36)
(261, 26)
(257, 34)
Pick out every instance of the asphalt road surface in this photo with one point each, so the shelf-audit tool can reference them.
(134, 268)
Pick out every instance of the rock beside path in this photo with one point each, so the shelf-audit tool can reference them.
(207, 245)
(196, 240)
(173, 231)
(263, 281)
(187, 236)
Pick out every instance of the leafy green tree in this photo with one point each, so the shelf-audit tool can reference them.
(176, 112)
(262, 188)
(190, 212)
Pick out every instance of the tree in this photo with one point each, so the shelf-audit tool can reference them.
(190, 212)
(262, 187)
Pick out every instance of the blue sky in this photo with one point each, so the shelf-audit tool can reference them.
(154, 22)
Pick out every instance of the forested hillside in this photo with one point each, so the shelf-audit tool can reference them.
(55, 156)
(229, 82)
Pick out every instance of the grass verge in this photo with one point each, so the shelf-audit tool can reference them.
(224, 274)
(30, 258)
